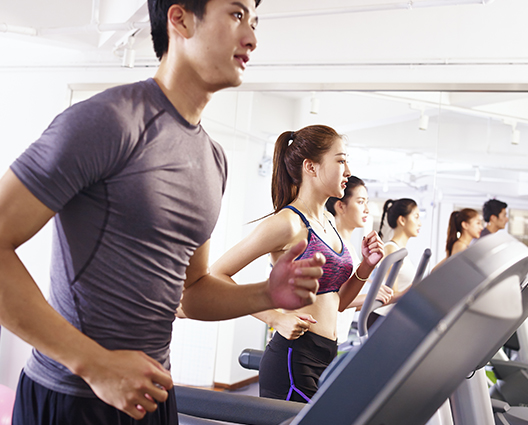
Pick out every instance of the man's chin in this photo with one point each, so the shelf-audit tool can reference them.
(237, 81)
(234, 82)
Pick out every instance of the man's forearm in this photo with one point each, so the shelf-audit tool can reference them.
(26, 313)
(211, 298)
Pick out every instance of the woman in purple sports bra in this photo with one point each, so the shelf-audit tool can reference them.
(309, 166)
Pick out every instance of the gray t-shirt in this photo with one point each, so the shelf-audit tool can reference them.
(136, 189)
(485, 232)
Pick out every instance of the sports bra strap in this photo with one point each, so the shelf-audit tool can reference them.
(303, 218)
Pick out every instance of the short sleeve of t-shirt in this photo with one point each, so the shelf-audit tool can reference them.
(70, 155)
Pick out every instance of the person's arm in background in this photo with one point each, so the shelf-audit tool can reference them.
(396, 295)
(372, 250)
(384, 295)
(128, 380)
(290, 324)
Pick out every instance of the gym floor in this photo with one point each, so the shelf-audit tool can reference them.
(251, 389)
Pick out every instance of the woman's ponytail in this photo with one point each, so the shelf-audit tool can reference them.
(386, 206)
(452, 232)
(283, 188)
(455, 226)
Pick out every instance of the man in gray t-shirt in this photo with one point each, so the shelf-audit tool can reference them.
(117, 220)
(134, 185)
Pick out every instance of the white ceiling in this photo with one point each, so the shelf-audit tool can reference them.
(467, 145)
(298, 32)
(83, 27)
(343, 41)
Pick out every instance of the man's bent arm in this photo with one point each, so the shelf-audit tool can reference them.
(122, 379)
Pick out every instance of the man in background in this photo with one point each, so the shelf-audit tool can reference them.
(495, 216)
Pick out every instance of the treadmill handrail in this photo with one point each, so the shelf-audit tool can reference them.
(396, 259)
(420, 270)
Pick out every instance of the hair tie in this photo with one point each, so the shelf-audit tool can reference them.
(292, 135)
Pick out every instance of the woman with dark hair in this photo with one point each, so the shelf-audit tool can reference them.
(351, 212)
(309, 167)
(464, 226)
(403, 217)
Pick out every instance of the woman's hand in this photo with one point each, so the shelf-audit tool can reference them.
(385, 294)
(372, 249)
(293, 325)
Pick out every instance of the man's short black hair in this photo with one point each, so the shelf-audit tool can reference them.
(492, 207)
(158, 19)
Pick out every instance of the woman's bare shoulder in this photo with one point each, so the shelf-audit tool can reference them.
(285, 225)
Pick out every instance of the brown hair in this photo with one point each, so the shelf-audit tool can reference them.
(352, 183)
(455, 225)
(291, 149)
(394, 209)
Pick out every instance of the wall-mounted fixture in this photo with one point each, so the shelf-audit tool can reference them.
(424, 121)
(265, 165)
(515, 134)
(314, 104)
(129, 53)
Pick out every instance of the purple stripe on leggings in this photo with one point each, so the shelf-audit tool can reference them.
(292, 385)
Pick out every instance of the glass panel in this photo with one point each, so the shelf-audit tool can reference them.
(445, 150)
(518, 224)
(482, 155)
(392, 143)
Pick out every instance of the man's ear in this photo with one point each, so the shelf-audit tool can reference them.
(180, 21)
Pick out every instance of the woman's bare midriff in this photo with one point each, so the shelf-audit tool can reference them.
(324, 310)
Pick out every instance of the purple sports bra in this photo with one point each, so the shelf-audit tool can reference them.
(338, 267)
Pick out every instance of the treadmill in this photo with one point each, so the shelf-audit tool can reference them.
(442, 330)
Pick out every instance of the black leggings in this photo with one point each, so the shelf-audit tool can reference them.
(290, 369)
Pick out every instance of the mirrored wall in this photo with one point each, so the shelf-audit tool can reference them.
(446, 150)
